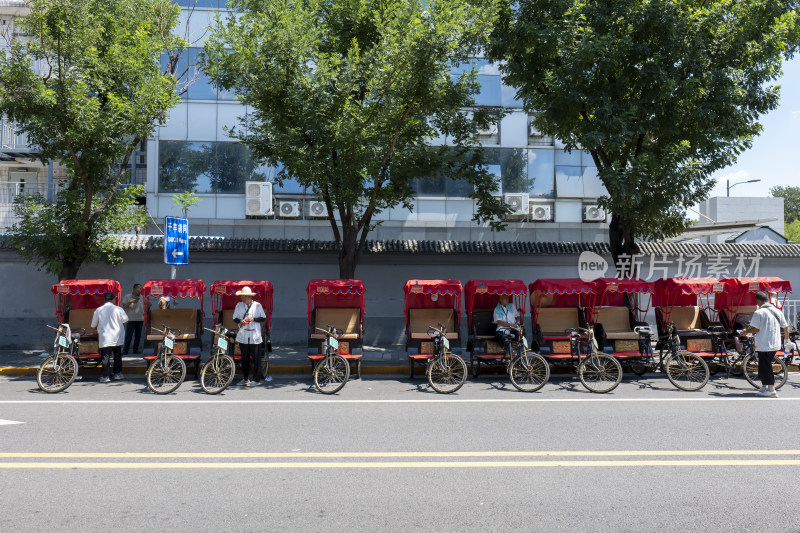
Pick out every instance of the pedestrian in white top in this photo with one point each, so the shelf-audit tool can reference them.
(249, 315)
(110, 320)
(767, 323)
(506, 317)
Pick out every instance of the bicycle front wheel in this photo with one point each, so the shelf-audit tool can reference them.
(331, 374)
(779, 369)
(687, 371)
(600, 373)
(446, 374)
(217, 374)
(56, 373)
(165, 375)
(529, 372)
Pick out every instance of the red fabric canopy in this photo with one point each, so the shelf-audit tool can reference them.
(742, 291)
(670, 292)
(433, 293)
(223, 295)
(82, 294)
(174, 288)
(335, 293)
(562, 286)
(610, 291)
(484, 294)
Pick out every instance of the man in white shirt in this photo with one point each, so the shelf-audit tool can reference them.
(132, 304)
(249, 315)
(110, 319)
(506, 317)
(766, 323)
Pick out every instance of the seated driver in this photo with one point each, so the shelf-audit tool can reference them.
(506, 317)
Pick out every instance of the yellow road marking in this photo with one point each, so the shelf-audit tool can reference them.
(399, 464)
(384, 455)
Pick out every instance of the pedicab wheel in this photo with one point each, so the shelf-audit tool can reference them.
(713, 367)
(358, 369)
(750, 365)
(687, 371)
(640, 369)
(331, 374)
(264, 367)
(217, 374)
(600, 373)
(446, 374)
(166, 375)
(476, 367)
(57, 373)
(529, 372)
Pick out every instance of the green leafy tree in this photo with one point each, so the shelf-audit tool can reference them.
(662, 93)
(345, 95)
(791, 201)
(44, 225)
(99, 91)
(185, 201)
(792, 230)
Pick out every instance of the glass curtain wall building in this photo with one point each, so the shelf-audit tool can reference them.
(195, 150)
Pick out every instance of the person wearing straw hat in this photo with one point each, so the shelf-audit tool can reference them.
(249, 315)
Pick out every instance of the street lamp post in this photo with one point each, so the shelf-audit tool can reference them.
(740, 183)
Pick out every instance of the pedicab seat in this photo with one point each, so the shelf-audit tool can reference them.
(183, 320)
(555, 321)
(483, 324)
(616, 322)
(419, 320)
(687, 319)
(82, 319)
(227, 320)
(345, 319)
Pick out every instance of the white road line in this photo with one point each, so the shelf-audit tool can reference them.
(9, 422)
(218, 401)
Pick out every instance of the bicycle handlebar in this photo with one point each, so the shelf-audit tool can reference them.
(332, 331)
(441, 330)
(642, 330)
(166, 331)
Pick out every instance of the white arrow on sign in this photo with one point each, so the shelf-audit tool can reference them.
(176, 253)
(9, 422)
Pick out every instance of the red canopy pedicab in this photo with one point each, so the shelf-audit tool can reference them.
(688, 303)
(481, 297)
(223, 303)
(433, 331)
(337, 303)
(76, 341)
(563, 336)
(620, 307)
(186, 324)
(736, 306)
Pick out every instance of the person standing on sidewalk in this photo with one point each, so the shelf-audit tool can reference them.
(132, 304)
(110, 319)
(766, 323)
(249, 315)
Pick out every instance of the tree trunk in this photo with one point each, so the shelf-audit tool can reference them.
(622, 242)
(69, 270)
(349, 254)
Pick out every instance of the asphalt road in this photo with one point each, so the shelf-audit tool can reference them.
(391, 455)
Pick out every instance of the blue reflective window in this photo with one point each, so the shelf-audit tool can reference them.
(511, 165)
(572, 158)
(508, 96)
(431, 186)
(491, 93)
(569, 181)
(199, 3)
(200, 87)
(457, 188)
(541, 172)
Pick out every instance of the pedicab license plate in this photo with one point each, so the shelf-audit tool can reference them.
(62, 341)
(334, 343)
(525, 342)
(446, 342)
(222, 343)
(169, 343)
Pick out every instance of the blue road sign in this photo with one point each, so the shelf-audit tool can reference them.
(176, 241)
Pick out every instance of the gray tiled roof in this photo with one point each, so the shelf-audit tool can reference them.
(222, 244)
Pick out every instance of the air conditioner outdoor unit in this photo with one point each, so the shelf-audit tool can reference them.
(533, 132)
(541, 212)
(289, 208)
(519, 203)
(318, 209)
(258, 198)
(593, 213)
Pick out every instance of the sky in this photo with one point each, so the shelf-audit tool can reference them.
(775, 155)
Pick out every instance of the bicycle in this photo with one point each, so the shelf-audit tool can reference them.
(220, 368)
(746, 353)
(527, 370)
(446, 372)
(332, 371)
(685, 370)
(167, 371)
(59, 371)
(597, 371)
